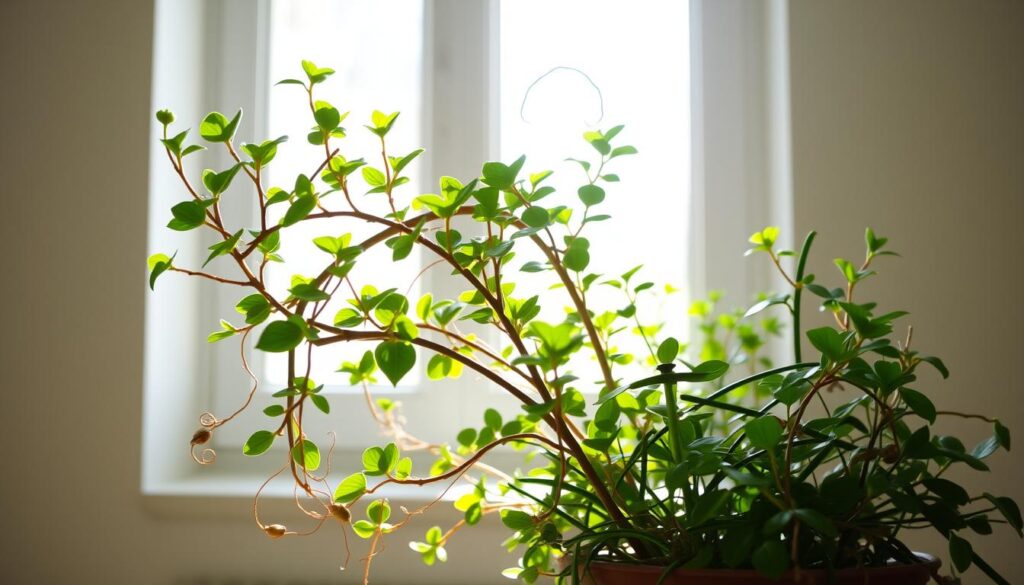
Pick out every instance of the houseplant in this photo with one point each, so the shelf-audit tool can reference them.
(695, 467)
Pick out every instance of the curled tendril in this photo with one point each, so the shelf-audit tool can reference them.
(208, 420)
(204, 457)
(201, 437)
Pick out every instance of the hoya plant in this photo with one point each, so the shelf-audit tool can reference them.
(719, 459)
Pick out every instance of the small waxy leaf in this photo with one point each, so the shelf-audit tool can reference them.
(536, 217)
(158, 264)
(500, 175)
(307, 455)
(516, 519)
(668, 350)
(216, 182)
(224, 247)
(309, 292)
(255, 307)
(378, 512)
(395, 359)
(299, 209)
(591, 195)
(215, 127)
(188, 215)
(280, 336)
(919, 403)
(258, 443)
(350, 488)
(313, 73)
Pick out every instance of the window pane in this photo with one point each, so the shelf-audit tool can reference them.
(637, 53)
(376, 68)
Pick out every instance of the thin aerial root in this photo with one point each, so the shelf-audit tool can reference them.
(348, 551)
(330, 454)
(252, 376)
(256, 500)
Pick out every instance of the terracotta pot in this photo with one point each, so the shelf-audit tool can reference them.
(603, 573)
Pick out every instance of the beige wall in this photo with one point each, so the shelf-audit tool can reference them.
(915, 114)
(909, 117)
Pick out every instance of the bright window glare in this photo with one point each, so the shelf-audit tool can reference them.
(377, 66)
(637, 53)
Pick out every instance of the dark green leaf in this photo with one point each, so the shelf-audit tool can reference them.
(764, 432)
(960, 552)
(771, 559)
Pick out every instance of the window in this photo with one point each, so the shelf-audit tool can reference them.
(474, 81)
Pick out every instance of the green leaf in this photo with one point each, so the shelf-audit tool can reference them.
(829, 342)
(474, 513)
(764, 432)
(919, 403)
(378, 512)
(771, 559)
(373, 177)
(158, 264)
(280, 336)
(395, 359)
(577, 256)
(1002, 435)
(364, 529)
(314, 73)
(500, 175)
(492, 418)
(188, 215)
(223, 247)
(401, 163)
(258, 443)
(937, 364)
(708, 505)
(299, 209)
(622, 151)
(274, 410)
(817, 521)
(307, 291)
(320, 402)
(1008, 508)
(591, 194)
(382, 122)
(960, 552)
(350, 488)
(327, 116)
(516, 520)
(215, 127)
(255, 307)
(536, 217)
(217, 183)
(307, 454)
(668, 350)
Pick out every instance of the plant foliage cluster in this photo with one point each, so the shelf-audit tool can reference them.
(721, 459)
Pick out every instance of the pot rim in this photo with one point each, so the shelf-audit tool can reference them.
(928, 561)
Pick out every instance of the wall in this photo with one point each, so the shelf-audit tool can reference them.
(904, 118)
(909, 117)
(74, 141)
